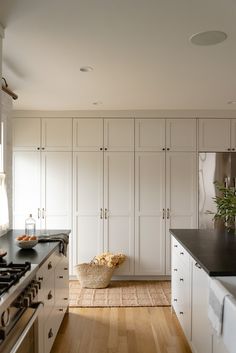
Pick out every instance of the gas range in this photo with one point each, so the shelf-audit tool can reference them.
(10, 275)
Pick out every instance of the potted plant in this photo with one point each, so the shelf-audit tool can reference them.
(226, 205)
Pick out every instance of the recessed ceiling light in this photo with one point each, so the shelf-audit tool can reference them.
(231, 102)
(208, 38)
(86, 69)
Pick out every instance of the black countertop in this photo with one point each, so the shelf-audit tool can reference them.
(37, 255)
(215, 251)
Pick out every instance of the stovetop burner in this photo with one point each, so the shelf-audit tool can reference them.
(11, 273)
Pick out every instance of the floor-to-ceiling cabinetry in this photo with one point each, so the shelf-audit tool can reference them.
(165, 188)
(42, 172)
(104, 188)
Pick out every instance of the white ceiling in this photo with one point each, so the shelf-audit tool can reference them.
(139, 49)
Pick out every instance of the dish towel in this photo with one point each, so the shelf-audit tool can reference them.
(63, 238)
(217, 294)
(229, 326)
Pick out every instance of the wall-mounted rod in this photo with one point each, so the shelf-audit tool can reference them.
(7, 90)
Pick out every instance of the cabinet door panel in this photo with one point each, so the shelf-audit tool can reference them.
(119, 201)
(149, 134)
(26, 187)
(181, 194)
(26, 134)
(88, 134)
(56, 186)
(57, 134)
(149, 205)
(233, 134)
(214, 135)
(201, 331)
(181, 134)
(119, 134)
(88, 200)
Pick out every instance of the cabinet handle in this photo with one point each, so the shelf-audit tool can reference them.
(168, 149)
(181, 279)
(101, 213)
(163, 213)
(65, 298)
(65, 268)
(38, 148)
(233, 149)
(197, 265)
(100, 148)
(163, 149)
(49, 265)
(105, 148)
(175, 246)
(181, 253)
(61, 277)
(43, 148)
(43, 213)
(175, 300)
(175, 269)
(40, 278)
(50, 333)
(168, 213)
(38, 213)
(60, 309)
(106, 213)
(50, 296)
(181, 313)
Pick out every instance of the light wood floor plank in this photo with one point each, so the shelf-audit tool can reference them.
(120, 330)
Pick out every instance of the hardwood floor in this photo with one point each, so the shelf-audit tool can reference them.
(120, 330)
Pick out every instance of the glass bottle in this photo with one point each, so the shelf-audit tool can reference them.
(30, 226)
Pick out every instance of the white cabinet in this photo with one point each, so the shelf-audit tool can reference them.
(26, 188)
(165, 134)
(119, 207)
(149, 134)
(49, 134)
(201, 331)
(149, 213)
(42, 186)
(181, 134)
(233, 134)
(214, 135)
(181, 194)
(26, 134)
(88, 205)
(87, 134)
(119, 135)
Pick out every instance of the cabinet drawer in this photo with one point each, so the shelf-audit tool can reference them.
(179, 251)
(52, 326)
(46, 271)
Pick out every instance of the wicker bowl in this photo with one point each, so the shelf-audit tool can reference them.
(94, 275)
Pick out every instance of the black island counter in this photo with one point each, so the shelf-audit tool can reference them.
(213, 250)
(37, 255)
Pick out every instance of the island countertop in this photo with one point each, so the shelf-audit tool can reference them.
(37, 255)
(215, 251)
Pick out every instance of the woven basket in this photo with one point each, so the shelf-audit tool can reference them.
(93, 275)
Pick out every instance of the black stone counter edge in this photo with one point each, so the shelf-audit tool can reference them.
(210, 273)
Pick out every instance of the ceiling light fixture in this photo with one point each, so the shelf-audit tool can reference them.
(86, 69)
(208, 38)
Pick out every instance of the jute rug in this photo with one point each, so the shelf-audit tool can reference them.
(121, 294)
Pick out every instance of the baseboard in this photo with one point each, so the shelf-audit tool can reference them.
(134, 278)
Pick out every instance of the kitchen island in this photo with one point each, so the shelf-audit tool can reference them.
(197, 256)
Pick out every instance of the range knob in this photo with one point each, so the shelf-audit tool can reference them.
(5, 317)
(27, 299)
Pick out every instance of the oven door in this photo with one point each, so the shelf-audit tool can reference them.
(23, 337)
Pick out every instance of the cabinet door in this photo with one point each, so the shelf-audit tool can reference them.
(26, 134)
(119, 203)
(181, 194)
(26, 188)
(88, 202)
(201, 331)
(119, 134)
(181, 134)
(56, 186)
(57, 134)
(87, 134)
(233, 134)
(149, 213)
(214, 135)
(149, 134)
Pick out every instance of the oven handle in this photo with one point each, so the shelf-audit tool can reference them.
(27, 328)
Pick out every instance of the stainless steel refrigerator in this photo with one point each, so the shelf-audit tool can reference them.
(220, 167)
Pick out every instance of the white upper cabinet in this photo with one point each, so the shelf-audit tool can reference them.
(26, 134)
(150, 213)
(181, 135)
(87, 134)
(214, 135)
(119, 207)
(57, 134)
(36, 134)
(119, 135)
(149, 134)
(233, 135)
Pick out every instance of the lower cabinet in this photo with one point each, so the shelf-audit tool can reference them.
(54, 293)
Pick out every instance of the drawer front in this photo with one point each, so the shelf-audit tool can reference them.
(46, 271)
(52, 326)
(179, 252)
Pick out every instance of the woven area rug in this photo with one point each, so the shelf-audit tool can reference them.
(121, 294)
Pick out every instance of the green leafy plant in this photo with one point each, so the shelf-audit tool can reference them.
(226, 205)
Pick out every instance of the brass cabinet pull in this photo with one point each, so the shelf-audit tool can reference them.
(106, 213)
(163, 213)
(43, 213)
(49, 265)
(168, 213)
(38, 213)
(101, 213)
(50, 296)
